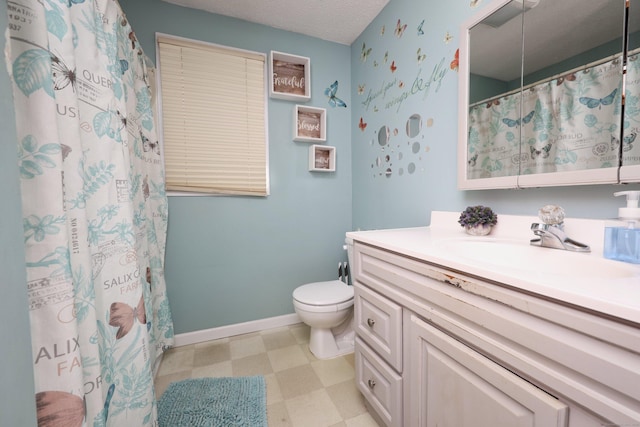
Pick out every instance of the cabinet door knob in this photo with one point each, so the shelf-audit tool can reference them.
(371, 322)
(371, 383)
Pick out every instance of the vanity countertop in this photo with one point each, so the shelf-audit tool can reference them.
(584, 280)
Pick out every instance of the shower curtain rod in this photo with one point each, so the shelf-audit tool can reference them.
(564, 73)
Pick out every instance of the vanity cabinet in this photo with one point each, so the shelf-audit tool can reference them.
(459, 350)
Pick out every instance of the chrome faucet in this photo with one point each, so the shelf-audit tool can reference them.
(551, 232)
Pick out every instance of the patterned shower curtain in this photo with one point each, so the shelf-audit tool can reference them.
(569, 123)
(94, 209)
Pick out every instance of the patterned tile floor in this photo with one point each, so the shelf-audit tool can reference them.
(302, 391)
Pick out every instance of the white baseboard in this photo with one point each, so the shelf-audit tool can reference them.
(237, 329)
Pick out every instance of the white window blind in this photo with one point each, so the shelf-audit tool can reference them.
(213, 118)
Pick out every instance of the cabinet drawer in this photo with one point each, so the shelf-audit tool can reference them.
(379, 323)
(379, 384)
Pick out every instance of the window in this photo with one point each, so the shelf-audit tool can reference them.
(213, 102)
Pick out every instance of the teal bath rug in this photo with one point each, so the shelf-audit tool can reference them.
(214, 402)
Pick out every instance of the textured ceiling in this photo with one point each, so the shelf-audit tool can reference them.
(340, 21)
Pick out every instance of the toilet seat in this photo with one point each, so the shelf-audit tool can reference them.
(333, 295)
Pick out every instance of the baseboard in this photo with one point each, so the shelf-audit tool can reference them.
(236, 329)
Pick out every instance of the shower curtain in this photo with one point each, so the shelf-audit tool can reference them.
(94, 211)
(569, 123)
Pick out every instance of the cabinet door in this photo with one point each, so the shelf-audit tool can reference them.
(452, 385)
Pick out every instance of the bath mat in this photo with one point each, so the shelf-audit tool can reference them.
(214, 402)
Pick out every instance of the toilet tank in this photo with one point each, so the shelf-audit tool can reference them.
(349, 247)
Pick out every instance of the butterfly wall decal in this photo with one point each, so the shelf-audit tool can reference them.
(598, 102)
(334, 101)
(448, 37)
(382, 31)
(364, 54)
(421, 56)
(420, 30)
(362, 125)
(123, 316)
(393, 66)
(516, 122)
(386, 57)
(361, 89)
(59, 409)
(61, 74)
(456, 60)
(399, 31)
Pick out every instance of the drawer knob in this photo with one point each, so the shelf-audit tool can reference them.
(371, 383)
(371, 322)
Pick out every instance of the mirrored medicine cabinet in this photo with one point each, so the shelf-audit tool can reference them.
(549, 94)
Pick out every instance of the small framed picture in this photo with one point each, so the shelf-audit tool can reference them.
(309, 124)
(322, 158)
(290, 77)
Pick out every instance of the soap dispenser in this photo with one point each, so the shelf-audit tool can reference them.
(622, 240)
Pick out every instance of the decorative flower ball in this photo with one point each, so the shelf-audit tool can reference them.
(477, 215)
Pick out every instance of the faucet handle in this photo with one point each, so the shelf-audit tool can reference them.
(551, 214)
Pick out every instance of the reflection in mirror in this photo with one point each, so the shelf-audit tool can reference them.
(383, 136)
(550, 110)
(573, 92)
(495, 57)
(414, 125)
(631, 137)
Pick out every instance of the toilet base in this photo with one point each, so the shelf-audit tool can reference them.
(323, 344)
(330, 343)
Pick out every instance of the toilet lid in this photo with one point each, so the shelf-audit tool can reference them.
(323, 293)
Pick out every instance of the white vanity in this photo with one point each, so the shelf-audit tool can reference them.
(463, 331)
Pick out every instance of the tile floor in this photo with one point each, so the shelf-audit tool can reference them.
(302, 391)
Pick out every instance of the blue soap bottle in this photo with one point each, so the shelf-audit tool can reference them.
(622, 240)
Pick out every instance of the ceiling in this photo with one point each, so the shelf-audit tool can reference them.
(339, 21)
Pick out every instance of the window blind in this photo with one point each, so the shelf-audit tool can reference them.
(213, 118)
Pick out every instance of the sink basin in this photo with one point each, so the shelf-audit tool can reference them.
(510, 254)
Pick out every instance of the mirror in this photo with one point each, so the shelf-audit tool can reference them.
(541, 94)
(414, 125)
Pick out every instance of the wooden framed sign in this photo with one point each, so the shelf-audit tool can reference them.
(309, 124)
(290, 77)
(322, 158)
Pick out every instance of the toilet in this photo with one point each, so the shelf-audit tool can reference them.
(327, 307)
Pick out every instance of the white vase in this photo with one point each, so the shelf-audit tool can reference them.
(478, 230)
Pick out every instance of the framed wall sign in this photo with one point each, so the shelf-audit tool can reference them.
(309, 124)
(290, 77)
(322, 158)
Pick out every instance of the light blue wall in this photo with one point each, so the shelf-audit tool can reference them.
(395, 200)
(17, 402)
(237, 259)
